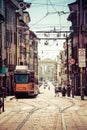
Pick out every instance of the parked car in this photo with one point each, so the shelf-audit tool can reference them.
(45, 84)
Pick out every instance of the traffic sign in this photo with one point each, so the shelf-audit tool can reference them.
(3, 70)
(81, 51)
(82, 57)
(23, 4)
(71, 61)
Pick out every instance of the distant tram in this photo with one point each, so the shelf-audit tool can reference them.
(25, 82)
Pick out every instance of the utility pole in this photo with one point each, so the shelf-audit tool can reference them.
(1, 21)
(1, 87)
(81, 41)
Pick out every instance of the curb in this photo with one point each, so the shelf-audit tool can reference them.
(8, 98)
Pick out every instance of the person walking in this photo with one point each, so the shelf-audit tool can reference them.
(56, 91)
(72, 91)
(49, 87)
(63, 91)
(68, 90)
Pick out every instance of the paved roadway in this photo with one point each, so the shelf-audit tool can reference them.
(45, 112)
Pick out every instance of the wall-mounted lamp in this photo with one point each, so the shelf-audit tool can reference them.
(1, 18)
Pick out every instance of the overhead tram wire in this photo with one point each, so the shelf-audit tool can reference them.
(50, 13)
(47, 5)
(43, 4)
(43, 16)
(57, 13)
(47, 26)
(40, 20)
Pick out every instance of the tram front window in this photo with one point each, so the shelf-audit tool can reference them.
(21, 78)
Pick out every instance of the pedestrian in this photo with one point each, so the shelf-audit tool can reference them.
(82, 94)
(63, 91)
(56, 91)
(72, 91)
(49, 87)
(68, 90)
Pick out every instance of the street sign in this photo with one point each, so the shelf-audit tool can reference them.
(82, 57)
(3, 71)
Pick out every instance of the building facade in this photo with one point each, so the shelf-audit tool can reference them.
(16, 46)
(75, 73)
(49, 70)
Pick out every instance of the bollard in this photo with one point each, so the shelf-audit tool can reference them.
(82, 97)
(3, 102)
(82, 94)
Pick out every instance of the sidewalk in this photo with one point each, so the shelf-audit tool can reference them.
(79, 98)
(8, 98)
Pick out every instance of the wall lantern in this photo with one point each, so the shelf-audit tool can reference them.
(2, 18)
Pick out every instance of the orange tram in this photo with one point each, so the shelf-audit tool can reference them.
(25, 82)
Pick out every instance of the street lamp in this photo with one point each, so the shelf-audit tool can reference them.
(1, 21)
(1, 89)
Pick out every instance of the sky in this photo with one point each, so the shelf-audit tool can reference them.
(49, 15)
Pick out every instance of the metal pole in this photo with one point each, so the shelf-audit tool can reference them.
(81, 93)
(81, 45)
(3, 101)
(67, 64)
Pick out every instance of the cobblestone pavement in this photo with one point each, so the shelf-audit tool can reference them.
(45, 112)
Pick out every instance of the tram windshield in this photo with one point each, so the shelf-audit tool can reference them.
(21, 78)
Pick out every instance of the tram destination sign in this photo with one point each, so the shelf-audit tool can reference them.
(82, 57)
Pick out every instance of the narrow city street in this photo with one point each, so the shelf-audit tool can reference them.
(45, 112)
(43, 42)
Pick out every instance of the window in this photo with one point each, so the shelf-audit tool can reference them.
(85, 17)
(21, 78)
(32, 76)
(85, 3)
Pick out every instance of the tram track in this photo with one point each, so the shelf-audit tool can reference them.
(47, 104)
(62, 110)
(7, 117)
(69, 106)
(14, 112)
(26, 118)
(38, 105)
(62, 113)
(35, 109)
